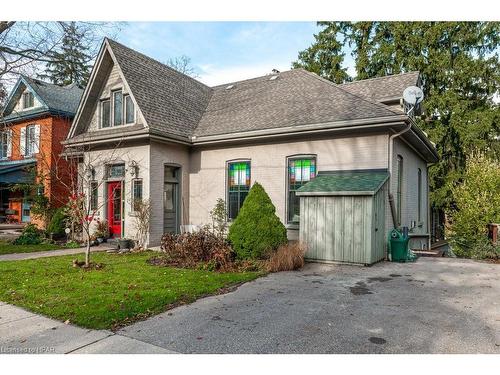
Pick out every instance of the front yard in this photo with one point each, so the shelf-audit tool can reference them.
(126, 289)
(9, 248)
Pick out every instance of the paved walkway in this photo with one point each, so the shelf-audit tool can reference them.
(23, 332)
(52, 253)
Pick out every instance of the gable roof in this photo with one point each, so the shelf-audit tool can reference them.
(174, 106)
(54, 98)
(353, 182)
(383, 89)
(291, 98)
(172, 102)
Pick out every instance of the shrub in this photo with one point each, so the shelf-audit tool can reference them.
(477, 203)
(256, 230)
(102, 229)
(30, 235)
(189, 249)
(57, 224)
(288, 257)
(72, 245)
(219, 218)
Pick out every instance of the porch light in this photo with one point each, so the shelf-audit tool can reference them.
(134, 168)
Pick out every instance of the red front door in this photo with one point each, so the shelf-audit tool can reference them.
(115, 208)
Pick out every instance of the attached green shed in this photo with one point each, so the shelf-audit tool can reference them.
(342, 216)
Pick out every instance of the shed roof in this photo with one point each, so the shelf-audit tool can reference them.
(353, 182)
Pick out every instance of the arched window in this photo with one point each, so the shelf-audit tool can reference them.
(300, 170)
(238, 185)
(399, 190)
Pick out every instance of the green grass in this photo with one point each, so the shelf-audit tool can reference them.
(127, 288)
(8, 248)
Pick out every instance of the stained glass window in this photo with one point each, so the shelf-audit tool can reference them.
(300, 172)
(116, 170)
(238, 186)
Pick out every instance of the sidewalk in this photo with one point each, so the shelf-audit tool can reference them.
(23, 332)
(52, 253)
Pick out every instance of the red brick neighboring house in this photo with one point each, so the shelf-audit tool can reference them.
(36, 118)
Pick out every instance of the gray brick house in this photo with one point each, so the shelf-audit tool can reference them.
(183, 144)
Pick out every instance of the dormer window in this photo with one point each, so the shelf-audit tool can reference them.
(28, 100)
(129, 110)
(117, 108)
(105, 114)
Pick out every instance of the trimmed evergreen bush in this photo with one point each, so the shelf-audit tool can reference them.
(57, 223)
(257, 230)
(31, 235)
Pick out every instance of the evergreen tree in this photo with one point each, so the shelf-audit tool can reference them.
(257, 230)
(460, 71)
(70, 64)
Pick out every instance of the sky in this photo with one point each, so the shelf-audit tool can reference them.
(222, 52)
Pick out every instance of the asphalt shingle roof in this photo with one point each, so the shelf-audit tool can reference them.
(172, 102)
(175, 104)
(382, 88)
(56, 98)
(294, 97)
(344, 182)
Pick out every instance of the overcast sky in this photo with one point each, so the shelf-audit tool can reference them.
(222, 52)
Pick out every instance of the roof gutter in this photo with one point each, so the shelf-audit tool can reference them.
(303, 129)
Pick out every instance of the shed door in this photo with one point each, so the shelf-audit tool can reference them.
(337, 228)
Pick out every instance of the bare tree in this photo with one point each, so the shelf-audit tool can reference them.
(23, 45)
(183, 65)
(142, 208)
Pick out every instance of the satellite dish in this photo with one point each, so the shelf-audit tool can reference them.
(413, 95)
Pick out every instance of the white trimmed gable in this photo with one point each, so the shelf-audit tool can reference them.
(19, 104)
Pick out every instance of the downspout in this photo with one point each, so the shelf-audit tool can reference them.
(391, 196)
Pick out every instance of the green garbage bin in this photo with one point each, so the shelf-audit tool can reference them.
(398, 246)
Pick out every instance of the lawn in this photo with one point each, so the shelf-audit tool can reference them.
(8, 248)
(126, 289)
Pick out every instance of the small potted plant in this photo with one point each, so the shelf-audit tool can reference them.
(102, 231)
(124, 244)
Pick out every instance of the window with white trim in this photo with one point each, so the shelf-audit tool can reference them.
(28, 100)
(31, 140)
(5, 144)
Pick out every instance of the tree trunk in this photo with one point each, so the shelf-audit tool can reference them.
(87, 254)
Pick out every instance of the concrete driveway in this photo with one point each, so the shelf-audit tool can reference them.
(435, 305)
